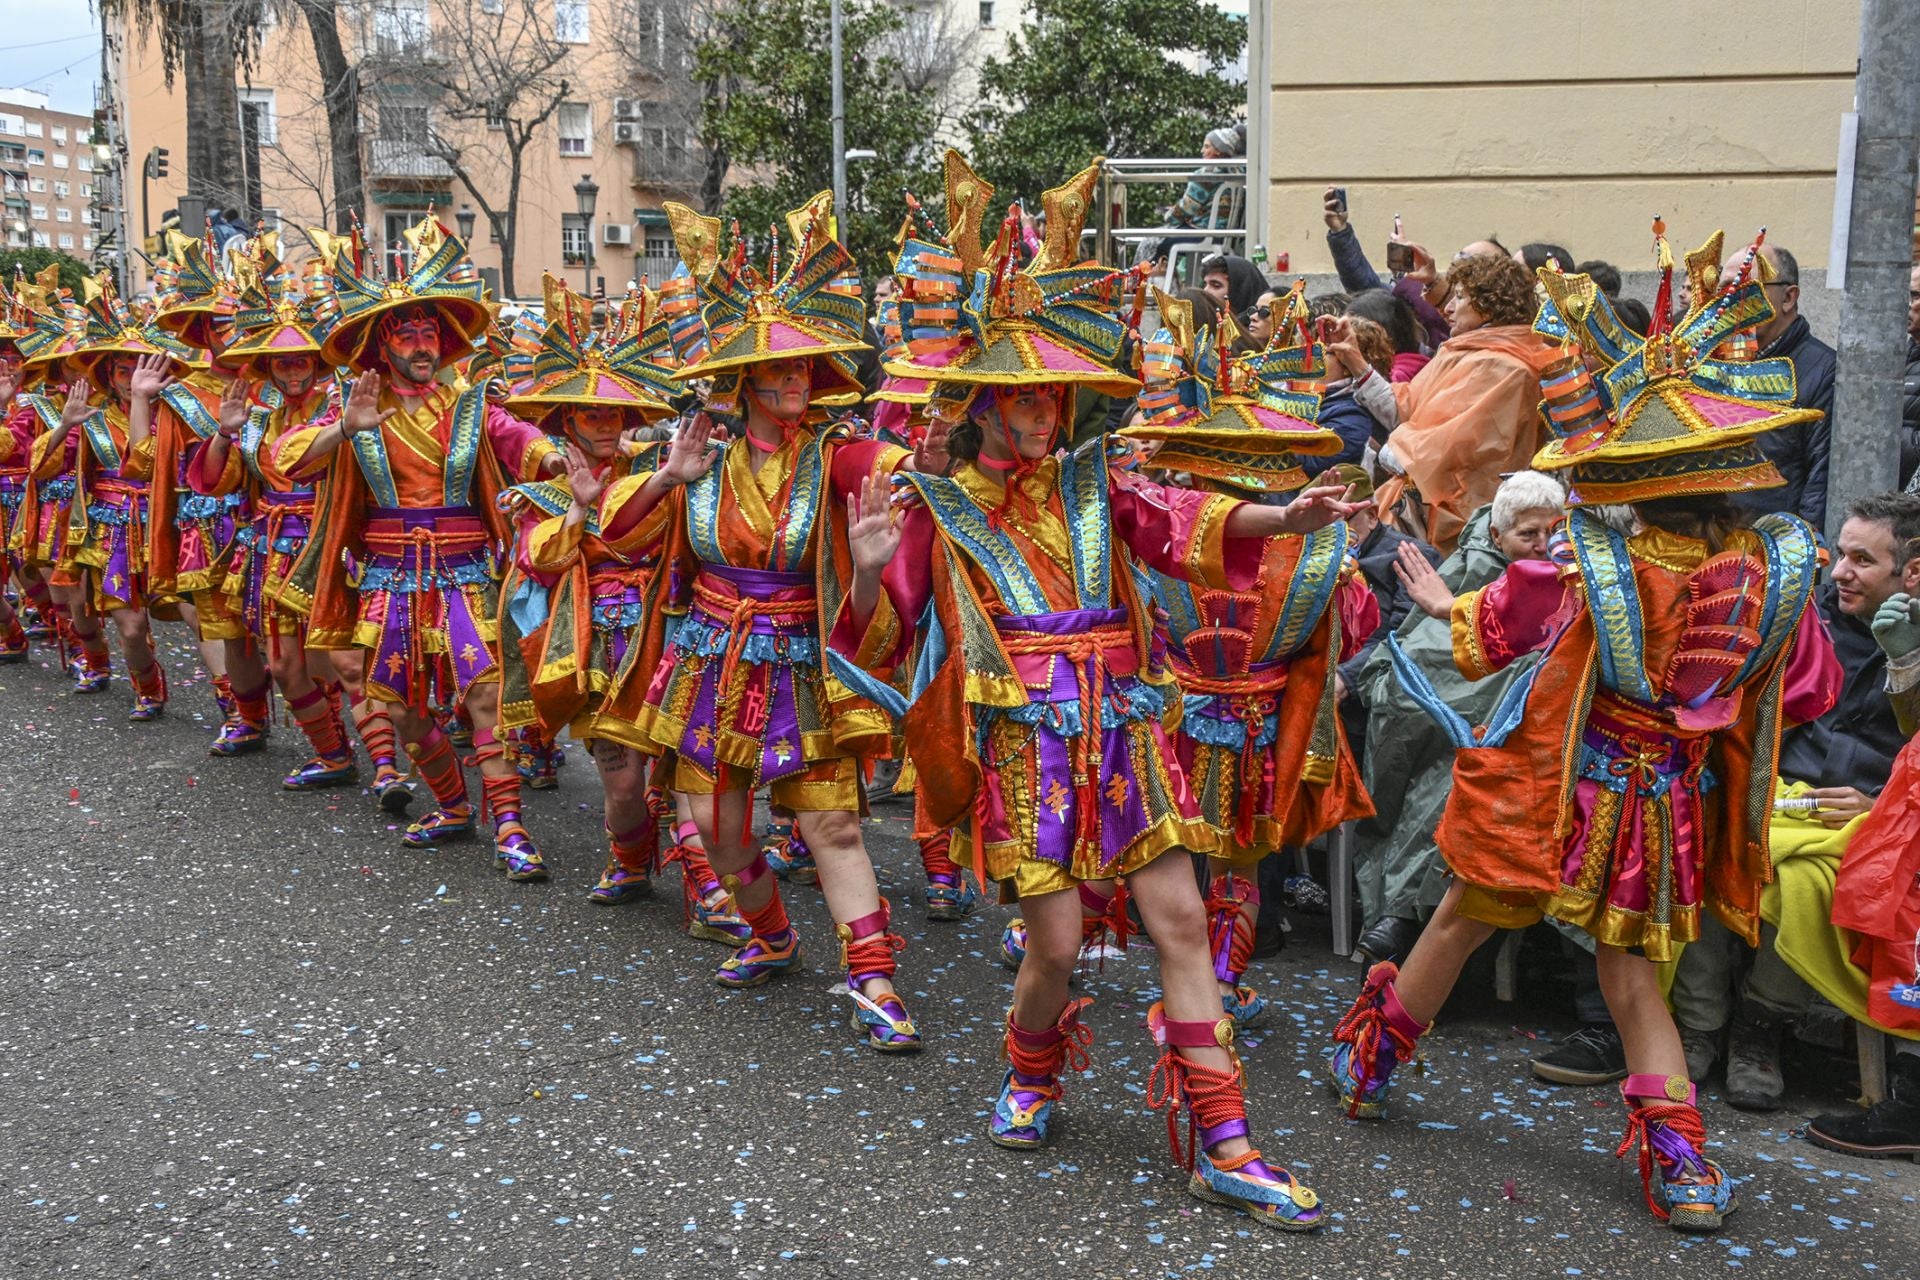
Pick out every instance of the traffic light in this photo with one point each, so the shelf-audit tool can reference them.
(157, 162)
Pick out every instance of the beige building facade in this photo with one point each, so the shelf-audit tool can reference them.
(47, 172)
(1573, 122)
(625, 124)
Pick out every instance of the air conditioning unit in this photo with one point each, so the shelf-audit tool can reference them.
(617, 233)
(626, 133)
(626, 108)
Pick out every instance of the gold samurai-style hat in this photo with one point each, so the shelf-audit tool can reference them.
(440, 277)
(1242, 420)
(112, 328)
(724, 316)
(57, 325)
(971, 316)
(626, 364)
(197, 300)
(1638, 419)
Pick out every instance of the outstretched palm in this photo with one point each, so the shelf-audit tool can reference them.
(233, 406)
(362, 412)
(873, 532)
(582, 482)
(695, 446)
(77, 409)
(151, 375)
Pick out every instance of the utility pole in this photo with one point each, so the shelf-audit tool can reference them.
(1873, 310)
(839, 118)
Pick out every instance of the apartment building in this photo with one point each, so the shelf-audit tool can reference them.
(46, 175)
(626, 127)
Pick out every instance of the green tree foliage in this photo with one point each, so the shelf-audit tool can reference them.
(34, 261)
(1083, 78)
(766, 79)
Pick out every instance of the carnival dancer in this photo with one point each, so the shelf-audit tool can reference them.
(1036, 715)
(1626, 782)
(191, 533)
(41, 535)
(276, 356)
(572, 641)
(99, 442)
(1260, 739)
(742, 699)
(16, 457)
(413, 472)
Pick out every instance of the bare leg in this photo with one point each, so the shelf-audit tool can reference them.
(1434, 965)
(846, 872)
(1040, 991)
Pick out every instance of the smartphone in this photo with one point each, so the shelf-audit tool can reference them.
(1399, 258)
(1340, 198)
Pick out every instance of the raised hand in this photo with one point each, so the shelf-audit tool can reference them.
(873, 528)
(362, 412)
(152, 374)
(695, 445)
(1896, 625)
(77, 410)
(9, 382)
(930, 456)
(1332, 210)
(1423, 582)
(233, 407)
(1320, 506)
(585, 485)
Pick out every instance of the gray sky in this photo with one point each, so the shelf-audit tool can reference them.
(53, 46)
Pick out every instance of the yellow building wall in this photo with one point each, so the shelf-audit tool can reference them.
(1571, 121)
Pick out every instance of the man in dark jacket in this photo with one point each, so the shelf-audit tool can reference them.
(1845, 756)
(1799, 451)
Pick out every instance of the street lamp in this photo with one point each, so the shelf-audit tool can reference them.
(464, 218)
(586, 193)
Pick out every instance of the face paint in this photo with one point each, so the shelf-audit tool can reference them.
(781, 389)
(410, 344)
(294, 375)
(596, 429)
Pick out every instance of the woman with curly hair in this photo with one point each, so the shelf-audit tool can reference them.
(1472, 414)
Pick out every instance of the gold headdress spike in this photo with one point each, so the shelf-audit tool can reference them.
(697, 237)
(969, 197)
(1067, 206)
(425, 236)
(811, 223)
(1176, 317)
(567, 308)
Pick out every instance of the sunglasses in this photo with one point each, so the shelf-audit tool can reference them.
(1256, 313)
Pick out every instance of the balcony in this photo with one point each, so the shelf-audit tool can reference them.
(404, 159)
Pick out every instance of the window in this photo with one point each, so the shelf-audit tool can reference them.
(570, 21)
(36, 156)
(66, 239)
(59, 133)
(406, 122)
(257, 118)
(40, 213)
(86, 240)
(86, 162)
(986, 13)
(34, 129)
(493, 6)
(59, 159)
(659, 243)
(36, 184)
(41, 240)
(63, 214)
(496, 115)
(398, 253)
(60, 190)
(573, 239)
(86, 191)
(576, 129)
(399, 27)
(269, 219)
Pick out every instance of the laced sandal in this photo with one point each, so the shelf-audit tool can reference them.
(86, 680)
(391, 789)
(708, 910)
(1374, 1037)
(1230, 935)
(150, 703)
(1023, 1112)
(884, 1019)
(514, 847)
(537, 769)
(1682, 1187)
(1013, 944)
(440, 826)
(951, 897)
(322, 772)
(238, 737)
(620, 884)
(787, 854)
(15, 646)
(1215, 1105)
(759, 960)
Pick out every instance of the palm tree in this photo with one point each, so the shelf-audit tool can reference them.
(199, 43)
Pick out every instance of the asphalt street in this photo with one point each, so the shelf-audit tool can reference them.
(246, 1032)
